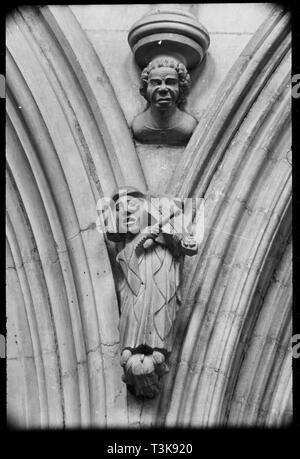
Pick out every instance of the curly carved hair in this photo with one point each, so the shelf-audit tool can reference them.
(183, 77)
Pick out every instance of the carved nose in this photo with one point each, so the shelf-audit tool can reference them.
(163, 89)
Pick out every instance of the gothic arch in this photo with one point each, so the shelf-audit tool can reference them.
(69, 143)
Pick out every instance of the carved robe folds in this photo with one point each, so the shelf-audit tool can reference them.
(150, 298)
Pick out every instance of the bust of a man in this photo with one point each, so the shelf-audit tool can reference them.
(165, 85)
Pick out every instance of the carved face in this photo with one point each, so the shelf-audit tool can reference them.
(163, 87)
(130, 214)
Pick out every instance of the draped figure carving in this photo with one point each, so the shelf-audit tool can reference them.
(150, 260)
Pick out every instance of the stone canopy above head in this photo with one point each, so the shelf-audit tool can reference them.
(169, 31)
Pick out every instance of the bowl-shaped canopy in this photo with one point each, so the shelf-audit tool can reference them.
(168, 31)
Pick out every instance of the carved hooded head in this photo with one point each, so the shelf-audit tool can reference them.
(128, 211)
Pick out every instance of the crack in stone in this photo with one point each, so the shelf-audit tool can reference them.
(91, 226)
(110, 344)
(98, 348)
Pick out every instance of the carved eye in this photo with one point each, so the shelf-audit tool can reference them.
(133, 205)
(155, 82)
(171, 81)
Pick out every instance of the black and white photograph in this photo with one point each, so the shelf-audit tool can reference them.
(148, 217)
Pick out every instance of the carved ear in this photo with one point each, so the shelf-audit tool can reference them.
(144, 94)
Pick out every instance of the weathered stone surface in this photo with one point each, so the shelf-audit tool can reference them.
(72, 90)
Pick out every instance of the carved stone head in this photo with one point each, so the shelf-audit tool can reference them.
(165, 82)
(172, 41)
(165, 85)
(130, 217)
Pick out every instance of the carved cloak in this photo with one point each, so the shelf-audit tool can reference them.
(150, 295)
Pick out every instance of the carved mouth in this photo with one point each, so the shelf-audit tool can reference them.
(164, 102)
(130, 220)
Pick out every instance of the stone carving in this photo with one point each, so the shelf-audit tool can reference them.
(166, 43)
(150, 296)
(165, 85)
